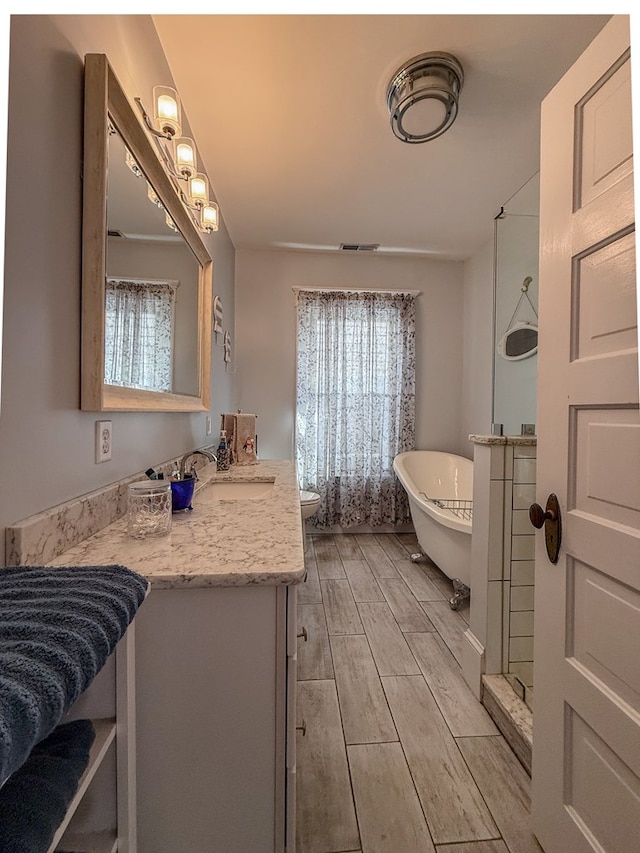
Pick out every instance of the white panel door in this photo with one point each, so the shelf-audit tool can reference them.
(586, 744)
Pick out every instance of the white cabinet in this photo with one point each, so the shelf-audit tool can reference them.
(216, 720)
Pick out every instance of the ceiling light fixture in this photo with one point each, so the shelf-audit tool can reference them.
(178, 156)
(422, 97)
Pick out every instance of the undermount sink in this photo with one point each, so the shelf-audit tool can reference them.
(230, 490)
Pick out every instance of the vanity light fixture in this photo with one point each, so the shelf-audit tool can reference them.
(422, 97)
(131, 162)
(153, 196)
(178, 156)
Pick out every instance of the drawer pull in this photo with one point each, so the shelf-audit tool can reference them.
(303, 633)
(302, 728)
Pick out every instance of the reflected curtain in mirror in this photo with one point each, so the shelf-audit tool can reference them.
(139, 333)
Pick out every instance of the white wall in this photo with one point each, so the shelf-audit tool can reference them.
(477, 346)
(46, 442)
(266, 336)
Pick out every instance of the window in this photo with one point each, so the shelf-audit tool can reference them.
(139, 321)
(355, 402)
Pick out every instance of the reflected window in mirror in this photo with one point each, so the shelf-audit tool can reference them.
(138, 340)
(143, 246)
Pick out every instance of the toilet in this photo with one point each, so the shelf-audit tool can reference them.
(309, 503)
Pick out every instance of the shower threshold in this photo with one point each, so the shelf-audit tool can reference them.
(512, 716)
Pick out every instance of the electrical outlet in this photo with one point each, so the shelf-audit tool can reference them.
(208, 425)
(103, 441)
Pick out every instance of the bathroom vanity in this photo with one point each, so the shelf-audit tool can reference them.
(215, 663)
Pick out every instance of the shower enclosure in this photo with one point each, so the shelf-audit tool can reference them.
(497, 659)
(515, 302)
(514, 408)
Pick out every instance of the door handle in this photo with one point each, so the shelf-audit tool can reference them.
(551, 519)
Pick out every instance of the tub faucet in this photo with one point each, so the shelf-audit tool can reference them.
(183, 462)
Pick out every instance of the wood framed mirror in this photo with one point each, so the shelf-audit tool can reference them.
(146, 274)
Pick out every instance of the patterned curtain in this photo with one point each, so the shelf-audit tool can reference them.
(355, 407)
(139, 320)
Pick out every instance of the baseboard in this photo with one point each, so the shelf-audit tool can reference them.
(473, 662)
(362, 528)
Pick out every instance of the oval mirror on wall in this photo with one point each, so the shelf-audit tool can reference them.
(520, 341)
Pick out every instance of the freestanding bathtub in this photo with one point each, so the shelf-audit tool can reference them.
(440, 491)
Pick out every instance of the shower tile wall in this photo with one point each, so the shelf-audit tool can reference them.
(503, 553)
(519, 563)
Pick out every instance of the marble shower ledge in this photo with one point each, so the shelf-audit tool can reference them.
(220, 543)
(515, 440)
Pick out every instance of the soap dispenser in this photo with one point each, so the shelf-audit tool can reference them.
(222, 452)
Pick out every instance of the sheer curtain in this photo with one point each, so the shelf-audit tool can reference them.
(355, 402)
(139, 320)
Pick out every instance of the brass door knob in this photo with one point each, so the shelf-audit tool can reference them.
(550, 518)
(538, 516)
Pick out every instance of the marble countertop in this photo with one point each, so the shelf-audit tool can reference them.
(253, 541)
(516, 440)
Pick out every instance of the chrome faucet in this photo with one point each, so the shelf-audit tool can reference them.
(183, 462)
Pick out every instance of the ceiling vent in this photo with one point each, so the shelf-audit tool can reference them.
(359, 247)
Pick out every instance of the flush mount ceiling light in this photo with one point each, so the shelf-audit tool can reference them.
(422, 97)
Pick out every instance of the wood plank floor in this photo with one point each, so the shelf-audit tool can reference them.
(397, 756)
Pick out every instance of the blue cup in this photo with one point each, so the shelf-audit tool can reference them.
(181, 494)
